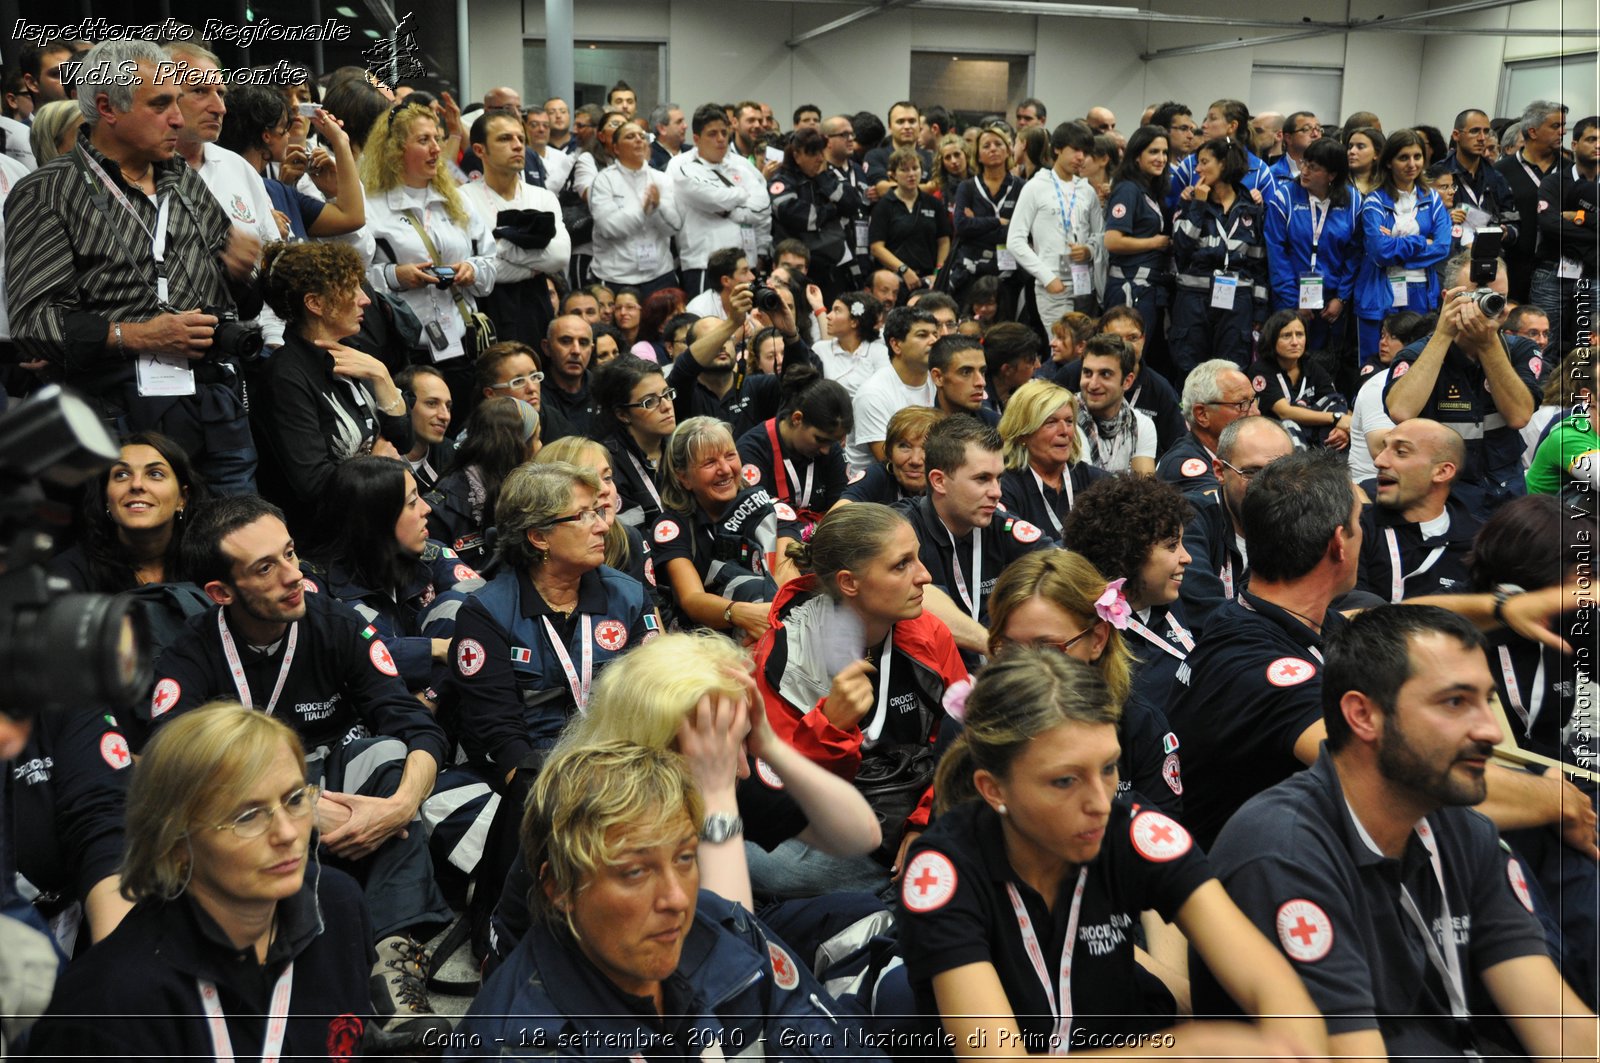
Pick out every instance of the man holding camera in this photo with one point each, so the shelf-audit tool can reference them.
(1472, 378)
(113, 275)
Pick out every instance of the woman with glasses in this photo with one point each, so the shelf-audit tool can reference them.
(238, 937)
(1045, 470)
(635, 218)
(1058, 599)
(634, 393)
(1313, 242)
(501, 434)
(1138, 226)
(716, 538)
(1296, 390)
(1405, 232)
(982, 212)
(528, 645)
(627, 550)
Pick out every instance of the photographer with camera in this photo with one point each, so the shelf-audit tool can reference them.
(112, 272)
(1473, 378)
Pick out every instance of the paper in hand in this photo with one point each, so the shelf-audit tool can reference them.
(842, 639)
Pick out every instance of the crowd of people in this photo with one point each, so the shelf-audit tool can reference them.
(893, 586)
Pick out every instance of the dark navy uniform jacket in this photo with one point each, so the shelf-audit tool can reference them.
(635, 481)
(343, 684)
(735, 985)
(1045, 508)
(1132, 212)
(1217, 570)
(731, 553)
(1187, 464)
(875, 483)
(513, 691)
(1160, 646)
(761, 466)
(1297, 863)
(1444, 573)
(450, 519)
(1548, 712)
(1254, 686)
(1006, 538)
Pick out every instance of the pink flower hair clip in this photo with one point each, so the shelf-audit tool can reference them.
(1112, 606)
(955, 699)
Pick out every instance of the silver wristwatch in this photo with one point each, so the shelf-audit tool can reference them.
(720, 826)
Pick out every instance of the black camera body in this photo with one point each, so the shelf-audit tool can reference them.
(764, 297)
(443, 276)
(233, 338)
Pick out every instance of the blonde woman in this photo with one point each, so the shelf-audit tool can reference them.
(1045, 469)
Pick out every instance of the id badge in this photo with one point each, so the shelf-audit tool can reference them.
(158, 375)
(1311, 291)
(1005, 259)
(861, 236)
(1569, 269)
(747, 241)
(1224, 288)
(1397, 288)
(1082, 279)
(648, 255)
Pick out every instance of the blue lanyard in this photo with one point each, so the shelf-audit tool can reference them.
(1066, 205)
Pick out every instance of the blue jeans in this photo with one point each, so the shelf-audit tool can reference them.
(795, 869)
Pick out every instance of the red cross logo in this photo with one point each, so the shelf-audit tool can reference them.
(1289, 671)
(469, 657)
(783, 968)
(114, 748)
(751, 475)
(1519, 883)
(1304, 930)
(378, 653)
(165, 697)
(1159, 838)
(1161, 834)
(926, 881)
(930, 882)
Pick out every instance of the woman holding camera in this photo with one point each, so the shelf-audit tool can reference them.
(323, 401)
(434, 251)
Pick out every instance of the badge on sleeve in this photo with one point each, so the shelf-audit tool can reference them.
(381, 659)
(784, 971)
(1024, 532)
(470, 657)
(308, 586)
(611, 635)
(1119, 211)
(784, 511)
(777, 188)
(1519, 883)
(855, 476)
(1192, 467)
(765, 773)
(1170, 772)
(1536, 366)
(1259, 383)
(666, 531)
(445, 551)
(521, 655)
(1290, 671)
(1159, 838)
(750, 474)
(1399, 370)
(1304, 930)
(165, 698)
(929, 882)
(114, 748)
(464, 573)
(650, 570)
(1169, 742)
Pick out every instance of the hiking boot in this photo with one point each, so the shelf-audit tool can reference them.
(399, 989)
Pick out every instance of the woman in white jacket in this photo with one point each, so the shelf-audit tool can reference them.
(409, 194)
(635, 217)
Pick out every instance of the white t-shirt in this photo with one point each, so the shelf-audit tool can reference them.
(1367, 415)
(1533, 431)
(851, 369)
(880, 398)
(707, 304)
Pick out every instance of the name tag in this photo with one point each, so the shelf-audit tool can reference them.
(1310, 291)
(1397, 287)
(1224, 289)
(927, 213)
(1569, 269)
(1082, 279)
(1005, 259)
(647, 254)
(163, 374)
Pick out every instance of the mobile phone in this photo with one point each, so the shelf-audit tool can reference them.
(443, 276)
(436, 336)
(774, 154)
(309, 110)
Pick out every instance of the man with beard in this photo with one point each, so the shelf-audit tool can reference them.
(1117, 437)
(1415, 535)
(567, 350)
(1390, 896)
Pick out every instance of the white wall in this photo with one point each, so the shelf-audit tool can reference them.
(726, 49)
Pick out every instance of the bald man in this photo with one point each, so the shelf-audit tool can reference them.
(1101, 120)
(504, 96)
(886, 288)
(1266, 132)
(1415, 536)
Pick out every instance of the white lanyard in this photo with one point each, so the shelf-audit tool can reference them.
(1318, 223)
(1527, 714)
(1049, 510)
(158, 237)
(802, 498)
(1283, 382)
(1533, 175)
(881, 712)
(1448, 964)
(649, 484)
(231, 652)
(1156, 640)
(1062, 1004)
(1066, 206)
(277, 1019)
(975, 599)
(1227, 254)
(1397, 580)
(1005, 194)
(580, 686)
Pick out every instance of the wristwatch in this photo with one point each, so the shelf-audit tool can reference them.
(903, 269)
(727, 614)
(720, 826)
(1502, 593)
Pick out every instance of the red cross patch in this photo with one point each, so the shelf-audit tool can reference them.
(114, 748)
(1024, 532)
(1192, 467)
(307, 586)
(464, 573)
(784, 511)
(777, 188)
(1259, 383)
(470, 657)
(855, 475)
(1170, 772)
(1159, 838)
(650, 570)
(1519, 883)
(765, 773)
(1399, 370)
(929, 882)
(1119, 211)
(666, 531)
(165, 698)
(379, 655)
(1304, 930)
(1536, 366)
(784, 972)
(611, 635)
(1290, 671)
(750, 475)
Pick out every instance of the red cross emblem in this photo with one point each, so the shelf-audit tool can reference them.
(1304, 930)
(784, 971)
(378, 653)
(1159, 838)
(114, 748)
(165, 697)
(469, 657)
(611, 635)
(1519, 883)
(750, 474)
(1289, 671)
(929, 882)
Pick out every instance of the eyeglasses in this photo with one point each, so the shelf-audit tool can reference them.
(1308, 129)
(517, 383)
(1242, 406)
(845, 135)
(584, 517)
(1185, 129)
(253, 822)
(1248, 474)
(1046, 644)
(650, 402)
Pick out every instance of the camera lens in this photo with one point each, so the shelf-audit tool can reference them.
(1490, 302)
(93, 646)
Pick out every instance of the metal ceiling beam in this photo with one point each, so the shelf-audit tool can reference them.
(1116, 14)
(839, 23)
(1438, 12)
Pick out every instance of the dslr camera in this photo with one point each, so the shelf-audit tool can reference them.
(1485, 263)
(234, 338)
(764, 297)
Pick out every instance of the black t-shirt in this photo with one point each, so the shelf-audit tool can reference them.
(911, 235)
(806, 484)
(955, 910)
(1160, 645)
(1315, 391)
(1024, 494)
(1006, 538)
(1132, 212)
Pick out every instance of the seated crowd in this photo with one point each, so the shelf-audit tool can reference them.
(1074, 529)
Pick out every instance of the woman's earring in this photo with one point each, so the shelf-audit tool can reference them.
(1001, 808)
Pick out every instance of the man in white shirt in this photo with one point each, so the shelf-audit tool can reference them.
(554, 163)
(725, 271)
(1057, 231)
(520, 303)
(905, 381)
(723, 199)
(1116, 437)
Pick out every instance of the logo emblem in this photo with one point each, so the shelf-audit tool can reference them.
(784, 971)
(1536, 366)
(611, 635)
(464, 573)
(1119, 211)
(1399, 370)
(470, 657)
(765, 773)
(378, 653)
(1290, 671)
(114, 748)
(1519, 883)
(1170, 772)
(165, 698)
(1159, 838)
(750, 475)
(1192, 467)
(307, 586)
(1024, 532)
(666, 531)
(1304, 931)
(1259, 383)
(929, 882)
